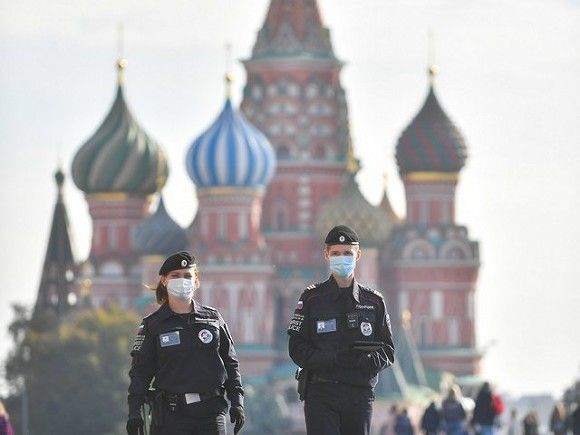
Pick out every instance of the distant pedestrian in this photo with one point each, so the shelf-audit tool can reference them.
(488, 407)
(530, 423)
(513, 428)
(403, 424)
(5, 426)
(453, 413)
(388, 427)
(431, 420)
(559, 420)
(575, 420)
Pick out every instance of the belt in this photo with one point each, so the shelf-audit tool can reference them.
(189, 398)
(316, 379)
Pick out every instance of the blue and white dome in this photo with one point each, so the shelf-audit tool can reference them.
(231, 153)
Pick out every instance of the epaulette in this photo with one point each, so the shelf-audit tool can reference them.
(312, 286)
(209, 308)
(376, 292)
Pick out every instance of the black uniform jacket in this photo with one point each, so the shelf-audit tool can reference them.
(327, 318)
(185, 353)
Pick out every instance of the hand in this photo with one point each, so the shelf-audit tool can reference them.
(135, 426)
(237, 417)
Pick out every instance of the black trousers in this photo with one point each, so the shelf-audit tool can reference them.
(202, 418)
(338, 409)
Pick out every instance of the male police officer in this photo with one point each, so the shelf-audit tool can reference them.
(341, 334)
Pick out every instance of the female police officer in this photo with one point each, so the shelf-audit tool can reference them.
(188, 351)
(341, 334)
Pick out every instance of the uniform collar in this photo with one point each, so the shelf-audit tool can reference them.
(165, 311)
(355, 288)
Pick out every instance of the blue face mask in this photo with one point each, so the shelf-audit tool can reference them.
(342, 265)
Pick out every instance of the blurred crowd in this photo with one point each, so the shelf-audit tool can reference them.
(457, 415)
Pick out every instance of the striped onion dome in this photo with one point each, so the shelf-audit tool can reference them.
(159, 234)
(231, 153)
(351, 208)
(431, 142)
(120, 156)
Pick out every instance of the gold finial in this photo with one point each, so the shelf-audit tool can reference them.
(229, 77)
(433, 69)
(121, 61)
(86, 287)
(406, 319)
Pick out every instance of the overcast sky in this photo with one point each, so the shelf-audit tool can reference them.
(509, 78)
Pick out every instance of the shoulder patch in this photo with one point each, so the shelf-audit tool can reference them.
(375, 292)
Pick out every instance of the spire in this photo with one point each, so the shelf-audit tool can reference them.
(59, 266)
(229, 77)
(352, 163)
(121, 61)
(432, 68)
(293, 28)
(408, 355)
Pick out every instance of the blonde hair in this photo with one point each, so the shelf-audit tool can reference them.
(3, 412)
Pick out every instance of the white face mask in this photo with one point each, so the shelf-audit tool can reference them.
(181, 288)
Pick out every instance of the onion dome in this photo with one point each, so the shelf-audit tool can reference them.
(431, 142)
(120, 156)
(159, 234)
(351, 208)
(231, 153)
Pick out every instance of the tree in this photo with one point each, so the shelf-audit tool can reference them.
(75, 370)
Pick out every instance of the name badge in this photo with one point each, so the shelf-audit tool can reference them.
(324, 326)
(352, 320)
(170, 339)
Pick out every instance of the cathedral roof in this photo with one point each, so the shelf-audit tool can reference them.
(59, 264)
(159, 234)
(293, 28)
(431, 142)
(119, 156)
(231, 153)
(372, 224)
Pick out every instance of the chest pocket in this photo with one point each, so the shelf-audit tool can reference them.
(367, 325)
(206, 333)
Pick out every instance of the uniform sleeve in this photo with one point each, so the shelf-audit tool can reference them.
(144, 353)
(234, 389)
(384, 357)
(300, 347)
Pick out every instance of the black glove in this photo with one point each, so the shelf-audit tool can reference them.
(135, 425)
(237, 417)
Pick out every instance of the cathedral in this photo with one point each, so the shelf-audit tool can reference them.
(272, 176)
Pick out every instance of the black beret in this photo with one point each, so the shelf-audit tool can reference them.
(342, 235)
(179, 260)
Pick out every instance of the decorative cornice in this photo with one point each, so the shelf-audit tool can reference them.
(424, 176)
(228, 190)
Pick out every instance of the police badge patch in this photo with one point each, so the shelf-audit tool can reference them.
(205, 336)
(366, 328)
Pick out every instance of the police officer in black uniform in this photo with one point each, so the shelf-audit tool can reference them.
(188, 352)
(341, 334)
